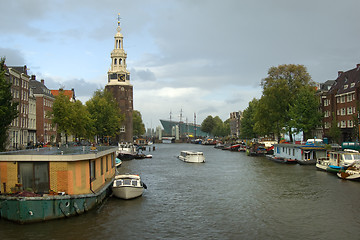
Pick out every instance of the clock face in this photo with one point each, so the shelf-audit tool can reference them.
(121, 77)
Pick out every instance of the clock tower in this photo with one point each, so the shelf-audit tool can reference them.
(120, 87)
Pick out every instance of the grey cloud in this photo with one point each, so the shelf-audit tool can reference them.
(13, 57)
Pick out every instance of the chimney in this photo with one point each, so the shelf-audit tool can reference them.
(42, 81)
(33, 77)
(358, 66)
(339, 73)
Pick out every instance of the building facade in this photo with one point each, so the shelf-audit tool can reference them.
(235, 123)
(18, 131)
(45, 132)
(340, 105)
(120, 87)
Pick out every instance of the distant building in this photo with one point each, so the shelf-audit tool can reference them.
(120, 87)
(69, 93)
(185, 129)
(235, 122)
(340, 102)
(19, 129)
(45, 132)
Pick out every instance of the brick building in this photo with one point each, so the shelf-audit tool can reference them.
(235, 122)
(44, 100)
(341, 102)
(18, 131)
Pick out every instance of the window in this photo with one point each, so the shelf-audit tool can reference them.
(92, 170)
(343, 111)
(327, 114)
(350, 123)
(346, 86)
(343, 124)
(107, 163)
(122, 129)
(327, 125)
(112, 160)
(352, 85)
(102, 166)
(342, 100)
(34, 175)
(115, 61)
(349, 111)
(326, 102)
(349, 98)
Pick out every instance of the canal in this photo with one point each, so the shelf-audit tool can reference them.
(231, 196)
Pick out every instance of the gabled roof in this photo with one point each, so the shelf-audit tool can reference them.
(39, 88)
(346, 81)
(69, 93)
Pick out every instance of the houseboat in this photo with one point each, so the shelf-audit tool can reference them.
(51, 183)
(305, 154)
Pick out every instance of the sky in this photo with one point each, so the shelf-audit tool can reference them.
(204, 57)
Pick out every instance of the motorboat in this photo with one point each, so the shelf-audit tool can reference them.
(118, 162)
(126, 151)
(340, 161)
(128, 186)
(322, 163)
(192, 157)
(351, 173)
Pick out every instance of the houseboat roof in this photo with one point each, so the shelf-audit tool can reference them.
(58, 154)
(301, 146)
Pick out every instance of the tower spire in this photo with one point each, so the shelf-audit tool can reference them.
(118, 18)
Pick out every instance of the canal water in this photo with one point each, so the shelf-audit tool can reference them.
(231, 196)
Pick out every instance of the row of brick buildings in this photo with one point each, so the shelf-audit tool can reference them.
(339, 102)
(32, 124)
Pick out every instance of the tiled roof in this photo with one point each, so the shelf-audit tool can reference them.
(69, 93)
(346, 81)
(39, 88)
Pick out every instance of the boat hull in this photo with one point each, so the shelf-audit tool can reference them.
(193, 159)
(36, 209)
(127, 192)
(307, 162)
(349, 175)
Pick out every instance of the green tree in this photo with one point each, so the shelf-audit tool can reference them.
(247, 122)
(304, 112)
(61, 115)
(280, 89)
(208, 124)
(83, 124)
(8, 108)
(220, 128)
(105, 114)
(335, 131)
(138, 125)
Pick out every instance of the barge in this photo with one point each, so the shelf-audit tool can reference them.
(51, 183)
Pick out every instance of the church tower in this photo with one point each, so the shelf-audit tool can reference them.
(120, 87)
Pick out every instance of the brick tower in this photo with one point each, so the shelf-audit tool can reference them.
(120, 87)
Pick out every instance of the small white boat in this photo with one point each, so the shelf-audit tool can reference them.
(192, 157)
(128, 186)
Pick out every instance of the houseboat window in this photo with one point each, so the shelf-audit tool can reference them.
(112, 160)
(92, 170)
(134, 183)
(107, 163)
(293, 152)
(102, 166)
(34, 176)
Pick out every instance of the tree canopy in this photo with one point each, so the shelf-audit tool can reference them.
(8, 108)
(105, 114)
(280, 91)
(138, 125)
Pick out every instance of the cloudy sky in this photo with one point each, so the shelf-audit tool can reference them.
(202, 56)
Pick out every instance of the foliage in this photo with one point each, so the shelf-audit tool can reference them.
(335, 131)
(61, 114)
(105, 114)
(304, 112)
(71, 117)
(138, 125)
(247, 122)
(280, 90)
(221, 129)
(8, 108)
(208, 124)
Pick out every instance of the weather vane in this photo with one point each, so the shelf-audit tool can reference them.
(118, 18)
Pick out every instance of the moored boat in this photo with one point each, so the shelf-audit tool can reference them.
(126, 151)
(340, 161)
(128, 186)
(192, 157)
(51, 183)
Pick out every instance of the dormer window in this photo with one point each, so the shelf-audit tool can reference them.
(346, 79)
(346, 86)
(352, 84)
